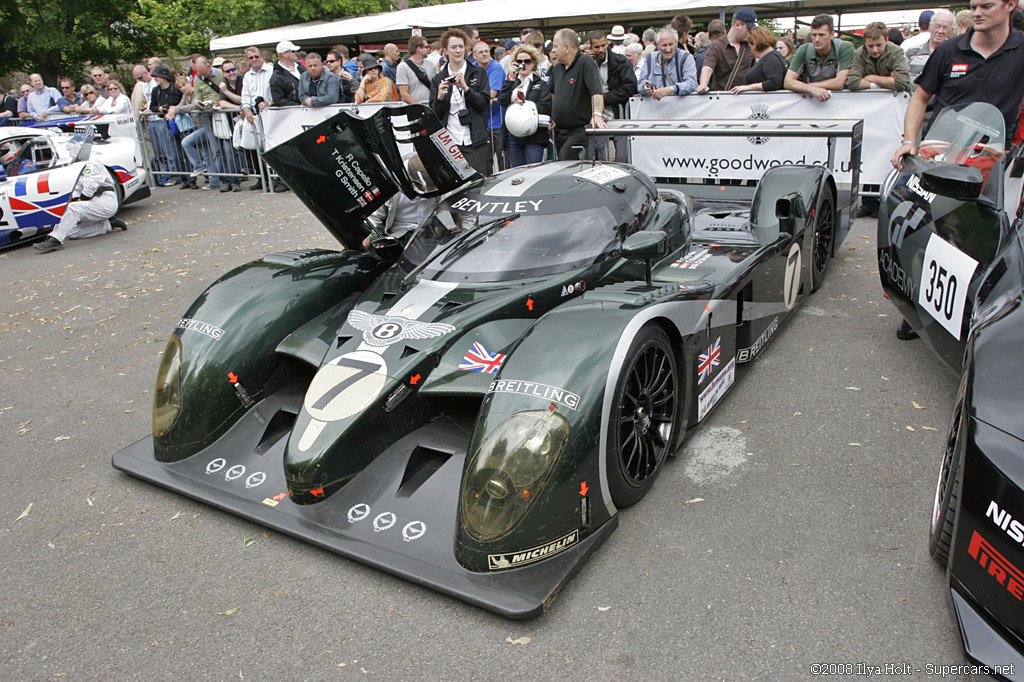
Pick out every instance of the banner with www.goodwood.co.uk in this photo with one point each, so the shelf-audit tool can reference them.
(746, 158)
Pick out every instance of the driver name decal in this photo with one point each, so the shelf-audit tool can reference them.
(497, 562)
(543, 391)
(716, 389)
(354, 178)
(496, 207)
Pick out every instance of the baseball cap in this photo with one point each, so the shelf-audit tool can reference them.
(747, 16)
(286, 46)
(926, 17)
(217, 62)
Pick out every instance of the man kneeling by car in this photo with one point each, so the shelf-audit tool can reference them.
(90, 212)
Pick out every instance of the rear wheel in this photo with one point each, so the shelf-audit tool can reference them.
(947, 491)
(824, 236)
(644, 414)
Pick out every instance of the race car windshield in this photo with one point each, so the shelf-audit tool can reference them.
(533, 245)
(974, 135)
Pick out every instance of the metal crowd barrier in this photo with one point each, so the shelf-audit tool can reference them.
(199, 147)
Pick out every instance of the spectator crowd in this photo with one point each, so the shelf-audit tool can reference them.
(505, 103)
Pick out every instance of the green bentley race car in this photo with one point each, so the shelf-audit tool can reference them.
(471, 409)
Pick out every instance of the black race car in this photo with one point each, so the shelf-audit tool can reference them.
(950, 258)
(471, 411)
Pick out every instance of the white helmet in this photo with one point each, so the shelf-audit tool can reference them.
(521, 119)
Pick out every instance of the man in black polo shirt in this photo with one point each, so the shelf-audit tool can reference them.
(577, 97)
(982, 65)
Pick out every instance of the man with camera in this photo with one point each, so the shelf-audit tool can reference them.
(459, 95)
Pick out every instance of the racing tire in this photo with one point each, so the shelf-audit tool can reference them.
(947, 492)
(643, 416)
(824, 236)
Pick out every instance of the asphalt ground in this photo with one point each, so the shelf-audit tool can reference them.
(791, 531)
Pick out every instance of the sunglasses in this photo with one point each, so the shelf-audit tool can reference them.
(230, 70)
(524, 62)
(330, 61)
(26, 92)
(253, 57)
(67, 87)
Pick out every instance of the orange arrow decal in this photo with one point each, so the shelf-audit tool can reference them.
(321, 139)
(414, 379)
(232, 377)
(280, 496)
(583, 488)
(317, 493)
(529, 304)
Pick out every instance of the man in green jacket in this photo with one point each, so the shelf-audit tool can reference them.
(878, 64)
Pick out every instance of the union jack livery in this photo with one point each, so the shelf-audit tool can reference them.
(706, 362)
(479, 359)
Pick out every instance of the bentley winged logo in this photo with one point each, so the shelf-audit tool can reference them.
(384, 330)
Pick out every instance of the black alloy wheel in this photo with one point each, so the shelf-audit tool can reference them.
(824, 235)
(644, 414)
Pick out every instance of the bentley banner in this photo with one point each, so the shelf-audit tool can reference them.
(746, 158)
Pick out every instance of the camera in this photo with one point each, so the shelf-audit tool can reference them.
(449, 79)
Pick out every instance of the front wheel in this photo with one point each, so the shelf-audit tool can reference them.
(824, 236)
(947, 491)
(644, 415)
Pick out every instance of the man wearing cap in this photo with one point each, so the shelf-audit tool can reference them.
(284, 82)
(616, 38)
(822, 65)
(729, 58)
(924, 23)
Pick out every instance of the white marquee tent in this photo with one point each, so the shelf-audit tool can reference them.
(507, 16)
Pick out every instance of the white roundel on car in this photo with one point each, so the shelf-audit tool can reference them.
(345, 386)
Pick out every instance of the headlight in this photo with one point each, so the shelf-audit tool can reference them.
(509, 470)
(167, 396)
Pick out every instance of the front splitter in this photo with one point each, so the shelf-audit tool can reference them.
(374, 519)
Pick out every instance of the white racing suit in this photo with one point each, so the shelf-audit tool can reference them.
(94, 201)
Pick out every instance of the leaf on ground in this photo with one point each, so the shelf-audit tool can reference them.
(920, 407)
(929, 428)
(177, 516)
(696, 499)
(603, 608)
(50, 544)
(855, 445)
(910, 428)
(852, 388)
(229, 612)
(24, 513)
(523, 641)
(60, 438)
(248, 541)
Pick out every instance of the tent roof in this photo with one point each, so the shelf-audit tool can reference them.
(507, 16)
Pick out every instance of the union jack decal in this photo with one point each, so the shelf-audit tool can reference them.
(706, 362)
(479, 359)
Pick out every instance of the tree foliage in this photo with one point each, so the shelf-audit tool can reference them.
(48, 36)
(186, 26)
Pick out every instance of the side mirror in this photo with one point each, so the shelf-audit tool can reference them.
(962, 183)
(645, 246)
(388, 249)
(788, 208)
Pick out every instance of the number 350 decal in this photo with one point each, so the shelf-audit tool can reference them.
(945, 276)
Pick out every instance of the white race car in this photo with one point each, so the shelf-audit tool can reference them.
(40, 165)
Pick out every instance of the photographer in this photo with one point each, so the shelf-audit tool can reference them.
(459, 94)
